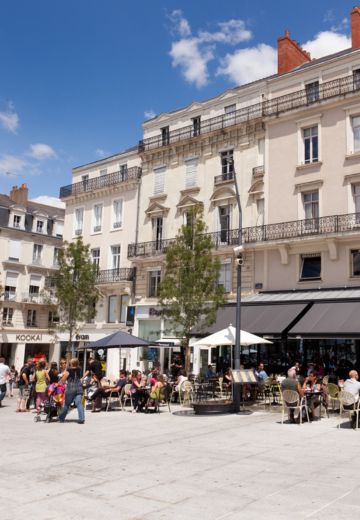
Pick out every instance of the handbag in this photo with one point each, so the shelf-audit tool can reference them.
(74, 385)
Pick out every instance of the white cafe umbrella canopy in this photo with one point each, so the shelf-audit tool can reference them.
(227, 337)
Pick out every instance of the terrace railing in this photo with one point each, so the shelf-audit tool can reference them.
(111, 179)
(250, 235)
(116, 275)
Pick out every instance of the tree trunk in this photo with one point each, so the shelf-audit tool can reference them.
(187, 358)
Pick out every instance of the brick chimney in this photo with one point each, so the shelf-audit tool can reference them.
(355, 27)
(20, 195)
(290, 54)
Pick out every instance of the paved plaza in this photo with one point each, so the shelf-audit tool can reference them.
(174, 466)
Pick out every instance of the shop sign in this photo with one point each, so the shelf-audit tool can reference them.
(29, 338)
(82, 337)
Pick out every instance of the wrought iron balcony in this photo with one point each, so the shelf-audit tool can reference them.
(271, 107)
(116, 275)
(250, 235)
(111, 179)
(219, 179)
(258, 171)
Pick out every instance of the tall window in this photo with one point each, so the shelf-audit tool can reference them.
(79, 221)
(157, 228)
(356, 194)
(31, 318)
(159, 186)
(17, 221)
(260, 212)
(103, 177)
(95, 256)
(196, 126)
(97, 218)
(224, 221)
(40, 228)
(153, 283)
(191, 173)
(56, 257)
(165, 135)
(10, 285)
(37, 253)
(355, 262)
(7, 315)
(123, 171)
(225, 277)
(311, 204)
(117, 213)
(355, 122)
(14, 250)
(311, 144)
(53, 318)
(59, 229)
(227, 164)
(356, 79)
(124, 302)
(34, 287)
(85, 182)
(310, 267)
(115, 257)
(312, 92)
(112, 309)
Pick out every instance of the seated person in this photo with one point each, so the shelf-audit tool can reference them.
(210, 374)
(138, 397)
(228, 379)
(311, 385)
(180, 379)
(291, 383)
(352, 386)
(260, 373)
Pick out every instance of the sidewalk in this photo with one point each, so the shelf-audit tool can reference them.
(166, 466)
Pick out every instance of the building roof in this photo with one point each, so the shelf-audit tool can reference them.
(32, 207)
(103, 159)
(301, 296)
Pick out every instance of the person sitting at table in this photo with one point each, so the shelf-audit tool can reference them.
(291, 383)
(138, 397)
(260, 373)
(228, 378)
(176, 366)
(311, 386)
(210, 374)
(352, 386)
(152, 377)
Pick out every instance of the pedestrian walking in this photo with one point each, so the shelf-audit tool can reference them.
(12, 380)
(74, 391)
(4, 377)
(24, 386)
(41, 382)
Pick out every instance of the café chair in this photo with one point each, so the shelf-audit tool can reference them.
(333, 392)
(291, 400)
(126, 396)
(186, 392)
(348, 405)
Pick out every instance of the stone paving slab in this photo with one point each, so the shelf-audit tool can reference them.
(175, 466)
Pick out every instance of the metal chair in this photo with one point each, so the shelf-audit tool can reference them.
(291, 401)
(113, 396)
(349, 405)
(186, 392)
(333, 393)
(126, 396)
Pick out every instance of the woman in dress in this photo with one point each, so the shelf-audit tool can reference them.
(41, 382)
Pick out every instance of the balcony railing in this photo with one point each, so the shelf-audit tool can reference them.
(219, 179)
(104, 181)
(250, 235)
(258, 171)
(275, 106)
(116, 275)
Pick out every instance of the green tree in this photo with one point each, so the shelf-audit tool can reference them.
(76, 292)
(189, 293)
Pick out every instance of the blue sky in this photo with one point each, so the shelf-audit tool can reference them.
(78, 77)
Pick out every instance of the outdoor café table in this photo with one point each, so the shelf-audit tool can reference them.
(310, 398)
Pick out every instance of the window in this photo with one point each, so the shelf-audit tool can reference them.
(124, 302)
(311, 141)
(224, 221)
(261, 152)
(230, 109)
(115, 257)
(159, 186)
(103, 178)
(165, 135)
(225, 277)
(227, 164)
(37, 253)
(97, 218)
(191, 173)
(356, 79)
(153, 283)
(53, 318)
(7, 315)
(39, 226)
(355, 123)
(311, 204)
(56, 257)
(260, 212)
(14, 250)
(17, 221)
(95, 256)
(10, 285)
(85, 182)
(31, 318)
(59, 229)
(157, 231)
(310, 267)
(356, 194)
(112, 309)
(34, 287)
(123, 171)
(79, 220)
(312, 92)
(196, 126)
(117, 213)
(355, 262)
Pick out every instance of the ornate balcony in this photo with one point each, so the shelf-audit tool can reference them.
(225, 177)
(250, 235)
(105, 181)
(122, 274)
(271, 107)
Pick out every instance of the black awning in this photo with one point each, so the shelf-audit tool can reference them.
(271, 319)
(333, 319)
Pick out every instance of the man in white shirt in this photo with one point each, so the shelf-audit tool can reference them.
(352, 384)
(4, 377)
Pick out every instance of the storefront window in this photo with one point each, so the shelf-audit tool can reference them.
(112, 309)
(124, 302)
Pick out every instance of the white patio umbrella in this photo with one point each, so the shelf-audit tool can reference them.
(227, 337)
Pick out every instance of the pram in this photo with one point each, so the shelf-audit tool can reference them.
(55, 400)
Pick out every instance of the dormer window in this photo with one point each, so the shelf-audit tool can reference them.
(17, 221)
(17, 218)
(39, 226)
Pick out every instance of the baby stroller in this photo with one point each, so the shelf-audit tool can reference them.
(55, 400)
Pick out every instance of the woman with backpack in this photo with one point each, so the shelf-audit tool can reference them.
(73, 392)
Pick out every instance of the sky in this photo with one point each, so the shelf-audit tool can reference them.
(79, 77)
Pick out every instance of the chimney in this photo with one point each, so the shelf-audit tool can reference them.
(290, 54)
(20, 195)
(355, 28)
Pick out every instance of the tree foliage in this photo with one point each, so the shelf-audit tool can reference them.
(189, 293)
(76, 292)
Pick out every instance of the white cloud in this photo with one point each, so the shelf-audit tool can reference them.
(149, 114)
(192, 60)
(49, 201)
(100, 152)
(231, 32)
(42, 151)
(9, 119)
(246, 65)
(11, 164)
(327, 42)
(180, 25)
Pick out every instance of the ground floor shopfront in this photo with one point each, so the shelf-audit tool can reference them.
(17, 347)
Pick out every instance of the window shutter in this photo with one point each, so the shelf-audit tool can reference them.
(191, 173)
(11, 279)
(14, 249)
(35, 279)
(59, 229)
(159, 186)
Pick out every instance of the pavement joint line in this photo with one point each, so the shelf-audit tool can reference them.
(330, 503)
